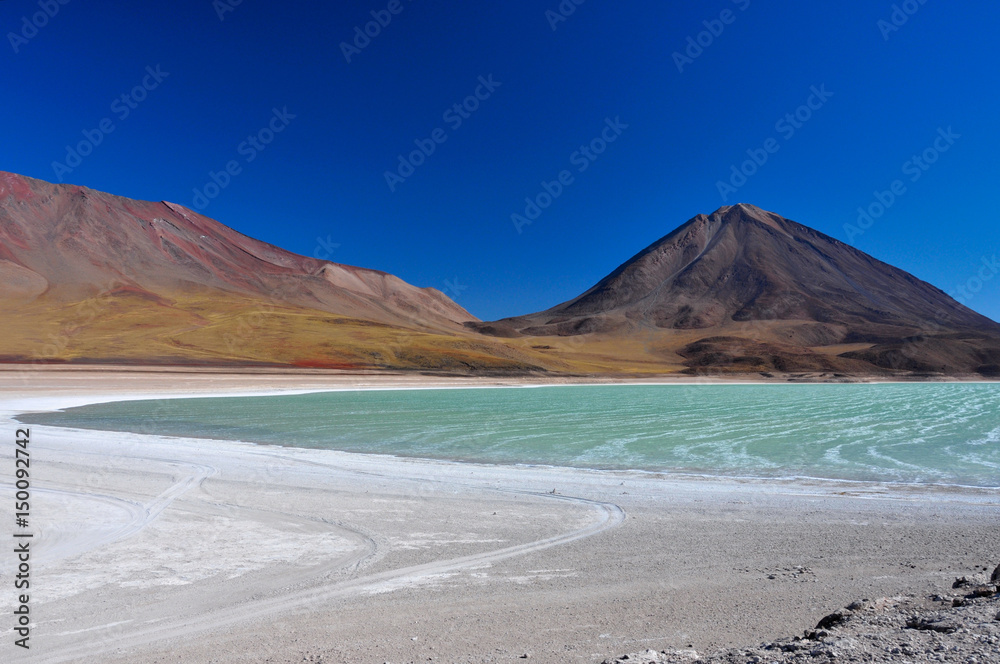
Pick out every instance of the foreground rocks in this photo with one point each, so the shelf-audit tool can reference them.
(961, 626)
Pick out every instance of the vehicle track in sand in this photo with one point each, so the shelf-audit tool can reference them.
(55, 542)
(114, 638)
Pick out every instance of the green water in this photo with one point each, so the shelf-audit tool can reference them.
(922, 433)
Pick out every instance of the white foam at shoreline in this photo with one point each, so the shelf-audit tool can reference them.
(797, 484)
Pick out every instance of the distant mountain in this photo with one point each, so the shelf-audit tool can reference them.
(65, 241)
(88, 276)
(745, 290)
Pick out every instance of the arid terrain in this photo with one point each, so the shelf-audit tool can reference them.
(960, 624)
(746, 290)
(95, 278)
(155, 549)
(92, 278)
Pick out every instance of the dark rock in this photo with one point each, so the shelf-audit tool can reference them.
(995, 577)
(834, 619)
(905, 628)
(932, 623)
(983, 591)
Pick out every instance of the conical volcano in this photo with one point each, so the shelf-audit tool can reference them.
(744, 287)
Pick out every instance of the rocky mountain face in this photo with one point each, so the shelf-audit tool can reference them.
(89, 277)
(743, 287)
(66, 242)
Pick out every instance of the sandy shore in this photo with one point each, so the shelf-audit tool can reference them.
(152, 549)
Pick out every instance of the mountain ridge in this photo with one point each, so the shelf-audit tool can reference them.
(178, 244)
(90, 277)
(788, 284)
(93, 277)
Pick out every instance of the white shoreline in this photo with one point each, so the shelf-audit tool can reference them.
(885, 488)
(191, 549)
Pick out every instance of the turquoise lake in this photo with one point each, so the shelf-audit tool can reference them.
(913, 433)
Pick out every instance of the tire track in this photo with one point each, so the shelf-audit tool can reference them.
(608, 516)
(113, 638)
(55, 544)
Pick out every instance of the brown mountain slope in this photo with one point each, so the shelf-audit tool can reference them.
(744, 289)
(65, 240)
(91, 277)
(88, 276)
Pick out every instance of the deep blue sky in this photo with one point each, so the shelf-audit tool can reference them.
(449, 224)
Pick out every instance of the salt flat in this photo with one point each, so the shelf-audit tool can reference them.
(153, 549)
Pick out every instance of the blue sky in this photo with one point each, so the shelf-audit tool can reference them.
(267, 89)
